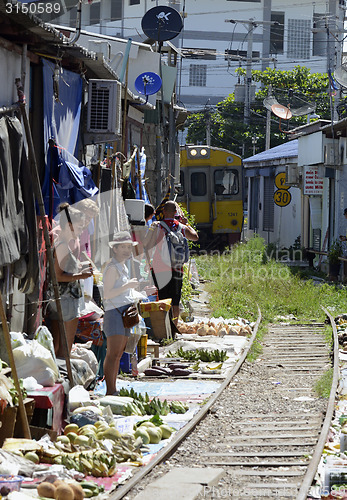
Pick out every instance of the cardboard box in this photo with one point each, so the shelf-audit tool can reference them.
(160, 324)
(38, 432)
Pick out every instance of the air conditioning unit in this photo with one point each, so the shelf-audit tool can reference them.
(104, 107)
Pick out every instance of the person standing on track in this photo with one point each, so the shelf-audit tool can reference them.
(167, 276)
(117, 298)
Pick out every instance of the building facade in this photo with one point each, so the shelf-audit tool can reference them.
(220, 36)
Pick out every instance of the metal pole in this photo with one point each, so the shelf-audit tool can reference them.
(158, 165)
(172, 146)
(246, 117)
(268, 124)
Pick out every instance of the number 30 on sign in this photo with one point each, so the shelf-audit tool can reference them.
(282, 197)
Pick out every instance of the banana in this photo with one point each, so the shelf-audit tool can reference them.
(89, 493)
(86, 465)
(112, 471)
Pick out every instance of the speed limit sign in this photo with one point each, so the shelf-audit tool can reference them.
(282, 197)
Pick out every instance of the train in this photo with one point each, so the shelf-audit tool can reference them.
(211, 189)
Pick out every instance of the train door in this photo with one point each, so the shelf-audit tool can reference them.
(199, 194)
(227, 206)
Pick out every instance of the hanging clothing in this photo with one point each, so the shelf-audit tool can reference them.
(13, 230)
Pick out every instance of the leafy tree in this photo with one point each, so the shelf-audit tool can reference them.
(227, 128)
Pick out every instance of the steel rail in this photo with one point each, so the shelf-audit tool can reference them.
(187, 429)
(316, 457)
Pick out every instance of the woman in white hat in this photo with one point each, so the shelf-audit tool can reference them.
(117, 298)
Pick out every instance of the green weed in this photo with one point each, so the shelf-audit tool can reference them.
(323, 385)
(245, 277)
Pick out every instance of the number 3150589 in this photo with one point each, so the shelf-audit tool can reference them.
(36, 8)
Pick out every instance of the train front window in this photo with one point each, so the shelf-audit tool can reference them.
(226, 182)
(198, 184)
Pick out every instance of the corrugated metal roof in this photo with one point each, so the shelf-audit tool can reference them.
(286, 150)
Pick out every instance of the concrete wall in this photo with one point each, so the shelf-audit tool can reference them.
(11, 62)
(287, 220)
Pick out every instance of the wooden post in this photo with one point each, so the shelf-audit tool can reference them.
(7, 337)
(39, 198)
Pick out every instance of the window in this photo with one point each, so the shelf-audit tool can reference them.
(299, 32)
(249, 1)
(197, 75)
(180, 191)
(199, 53)
(269, 204)
(198, 184)
(277, 33)
(134, 2)
(116, 10)
(319, 37)
(226, 182)
(94, 13)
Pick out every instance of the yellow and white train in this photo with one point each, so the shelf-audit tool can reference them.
(211, 189)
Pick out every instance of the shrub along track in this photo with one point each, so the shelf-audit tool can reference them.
(265, 426)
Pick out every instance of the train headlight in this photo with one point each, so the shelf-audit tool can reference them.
(234, 222)
(195, 152)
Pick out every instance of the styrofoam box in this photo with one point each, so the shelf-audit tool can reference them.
(333, 468)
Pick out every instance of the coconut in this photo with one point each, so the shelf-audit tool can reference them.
(202, 331)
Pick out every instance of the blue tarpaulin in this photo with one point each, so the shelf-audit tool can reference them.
(66, 179)
(62, 110)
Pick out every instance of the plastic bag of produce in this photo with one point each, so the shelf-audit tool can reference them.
(78, 396)
(44, 337)
(80, 352)
(34, 360)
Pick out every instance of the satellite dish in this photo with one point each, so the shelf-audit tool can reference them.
(290, 99)
(340, 75)
(148, 83)
(162, 23)
(281, 111)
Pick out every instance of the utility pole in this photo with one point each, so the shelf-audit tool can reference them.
(208, 124)
(334, 26)
(251, 25)
(247, 108)
(268, 123)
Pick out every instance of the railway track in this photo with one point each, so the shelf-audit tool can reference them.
(264, 428)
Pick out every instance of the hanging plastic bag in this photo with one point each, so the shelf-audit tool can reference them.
(44, 337)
